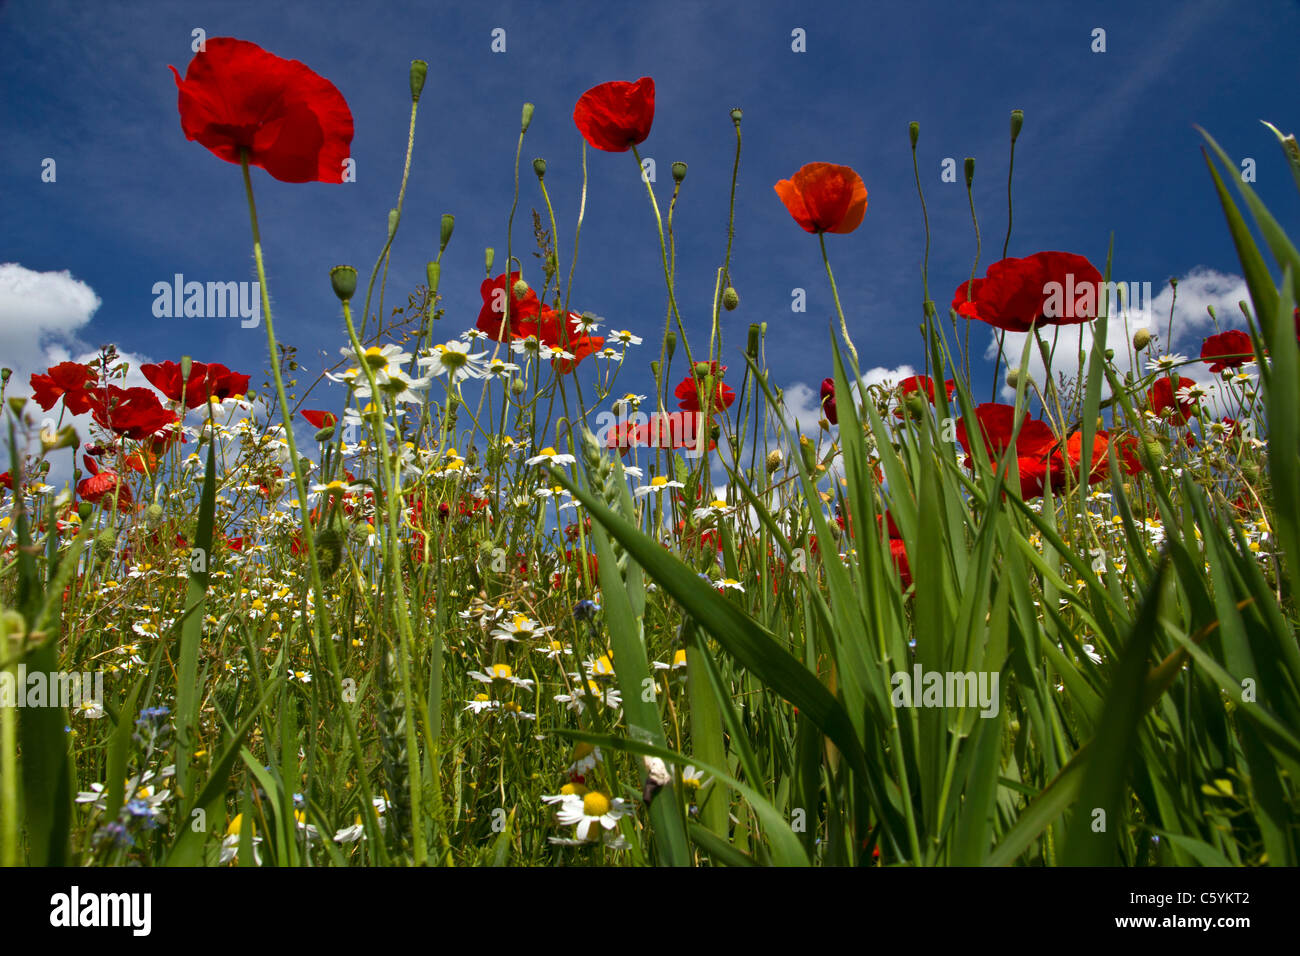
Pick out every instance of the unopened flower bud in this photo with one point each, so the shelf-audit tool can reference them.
(730, 299)
(325, 434)
(670, 344)
(517, 386)
(527, 118)
(419, 70)
(520, 289)
(1141, 339)
(914, 132)
(1017, 121)
(773, 460)
(970, 170)
(1013, 378)
(393, 218)
(105, 543)
(448, 224)
(489, 257)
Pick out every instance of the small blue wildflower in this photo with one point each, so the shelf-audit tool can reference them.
(585, 610)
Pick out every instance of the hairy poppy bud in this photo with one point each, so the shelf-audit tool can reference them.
(105, 543)
(489, 257)
(1013, 378)
(520, 289)
(448, 224)
(914, 132)
(1141, 339)
(419, 70)
(1017, 121)
(670, 344)
(393, 218)
(325, 434)
(773, 460)
(527, 118)
(730, 299)
(344, 281)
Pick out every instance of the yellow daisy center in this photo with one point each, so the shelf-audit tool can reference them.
(595, 804)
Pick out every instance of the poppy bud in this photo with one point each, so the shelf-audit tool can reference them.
(393, 218)
(730, 299)
(520, 289)
(1013, 378)
(517, 386)
(344, 281)
(1141, 339)
(970, 170)
(1110, 355)
(915, 403)
(448, 223)
(914, 132)
(539, 167)
(670, 344)
(153, 515)
(325, 434)
(105, 543)
(419, 70)
(527, 118)
(773, 460)
(679, 172)
(1017, 121)
(489, 256)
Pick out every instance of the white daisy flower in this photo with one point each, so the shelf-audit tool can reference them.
(454, 360)
(658, 483)
(625, 337)
(593, 811)
(552, 457)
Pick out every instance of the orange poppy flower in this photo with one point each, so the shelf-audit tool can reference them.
(823, 197)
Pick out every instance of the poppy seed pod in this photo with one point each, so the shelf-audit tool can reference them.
(736, 114)
(344, 281)
(539, 167)
(419, 70)
(679, 171)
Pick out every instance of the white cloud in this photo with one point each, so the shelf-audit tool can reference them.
(38, 309)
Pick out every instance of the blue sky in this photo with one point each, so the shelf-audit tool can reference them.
(1108, 146)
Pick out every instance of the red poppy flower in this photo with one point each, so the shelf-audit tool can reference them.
(6, 480)
(318, 419)
(1162, 398)
(294, 123)
(1047, 288)
(1228, 349)
(828, 401)
(923, 384)
(1099, 468)
(823, 197)
(105, 484)
(1033, 444)
(550, 330)
(1126, 452)
(616, 116)
(132, 412)
(67, 380)
(206, 381)
(523, 312)
(688, 390)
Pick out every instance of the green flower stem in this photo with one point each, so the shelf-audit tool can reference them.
(390, 472)
(318, 603)
(844, 326)
(392, 232)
